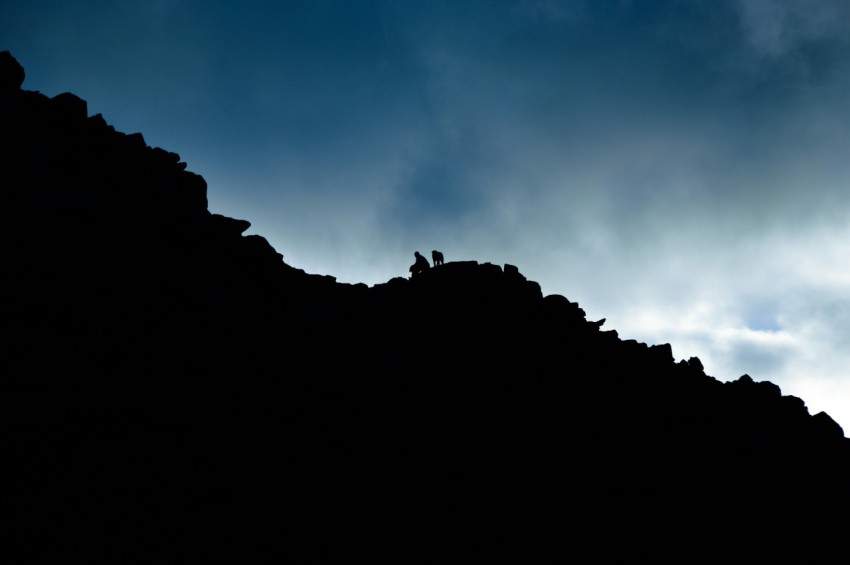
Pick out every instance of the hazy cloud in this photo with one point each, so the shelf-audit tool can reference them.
(778, 27)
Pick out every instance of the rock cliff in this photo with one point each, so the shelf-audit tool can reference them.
(173, 390)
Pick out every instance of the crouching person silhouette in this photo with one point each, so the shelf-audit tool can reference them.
(421, 265)
(437, 257)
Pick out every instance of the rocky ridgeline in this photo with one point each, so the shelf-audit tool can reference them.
(173, 390)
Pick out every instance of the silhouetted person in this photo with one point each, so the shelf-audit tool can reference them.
(437, 257)
(421, 264)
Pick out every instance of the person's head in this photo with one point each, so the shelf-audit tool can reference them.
(416, 253)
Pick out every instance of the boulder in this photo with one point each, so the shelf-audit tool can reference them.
(11, 72)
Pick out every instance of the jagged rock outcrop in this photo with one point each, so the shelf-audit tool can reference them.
(173, 390)
(11, 72)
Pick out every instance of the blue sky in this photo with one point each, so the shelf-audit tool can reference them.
(677, 167)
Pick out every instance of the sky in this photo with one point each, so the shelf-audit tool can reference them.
(677, 167)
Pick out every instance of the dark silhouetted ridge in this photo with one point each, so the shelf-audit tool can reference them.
(174, 391)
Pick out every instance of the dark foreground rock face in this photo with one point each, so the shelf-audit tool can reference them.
(173, 391)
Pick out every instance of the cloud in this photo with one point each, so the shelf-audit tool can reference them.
(778, 27)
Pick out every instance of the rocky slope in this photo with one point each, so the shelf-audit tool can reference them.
(172, 389)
